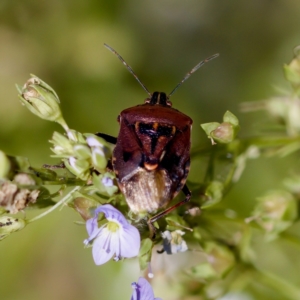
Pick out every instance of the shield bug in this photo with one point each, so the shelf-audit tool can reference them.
(151, 158)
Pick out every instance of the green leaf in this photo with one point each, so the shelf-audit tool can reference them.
(209, 127)
(230, 118)
(145, 253)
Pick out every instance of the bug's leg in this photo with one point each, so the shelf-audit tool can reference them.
(110, 139)
(188, 195)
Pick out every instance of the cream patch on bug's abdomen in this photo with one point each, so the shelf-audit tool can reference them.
(146, 191)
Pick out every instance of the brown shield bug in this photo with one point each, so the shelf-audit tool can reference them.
(151, 158)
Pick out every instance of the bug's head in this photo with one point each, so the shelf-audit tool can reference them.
(159, 98)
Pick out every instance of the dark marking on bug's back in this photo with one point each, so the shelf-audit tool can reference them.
(171, 160)
(164, 130)
(153, 144)
(146, 128)
(155, 130)
(126, 156)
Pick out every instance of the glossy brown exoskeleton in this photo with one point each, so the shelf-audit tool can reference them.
(152, 155)
(151, 158)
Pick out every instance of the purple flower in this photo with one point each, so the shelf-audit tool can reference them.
(142, 290)
(115, 238)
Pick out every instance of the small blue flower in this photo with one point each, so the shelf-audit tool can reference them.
(107, 181)
(115, 238)
(142, 290)
(173, 242)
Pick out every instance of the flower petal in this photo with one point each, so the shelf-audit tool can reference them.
(102, 251)
(111, 213)
(142, 290)
(91, 225)
(130, 241)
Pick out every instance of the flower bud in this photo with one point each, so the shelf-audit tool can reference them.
(9, 225)
(100, 151)
(63, 146)
(79, 167)
(76, 136)
(225, 132)
(41, 100)
(275, 212)
(18, 194)
(82, 153)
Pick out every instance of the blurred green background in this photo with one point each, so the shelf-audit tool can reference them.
(62, 43)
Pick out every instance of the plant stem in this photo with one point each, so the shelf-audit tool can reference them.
(59, 203)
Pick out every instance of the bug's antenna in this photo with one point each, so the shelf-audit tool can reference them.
(193, 71)
(128, 68)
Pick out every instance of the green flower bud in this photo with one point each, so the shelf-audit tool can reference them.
(4, 165)
(275, 212)
(225, 132)
(100, 152)
(82, 152)
(76, 136)
(41, 100)
(9, 225)
(79, 167)
(63, 147)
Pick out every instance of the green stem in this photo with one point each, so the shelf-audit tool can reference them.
(209, 174)
(260, 142)
(285, 288)
(63, 181)
(59, 203)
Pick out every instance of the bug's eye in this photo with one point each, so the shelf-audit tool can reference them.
(119, 118)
